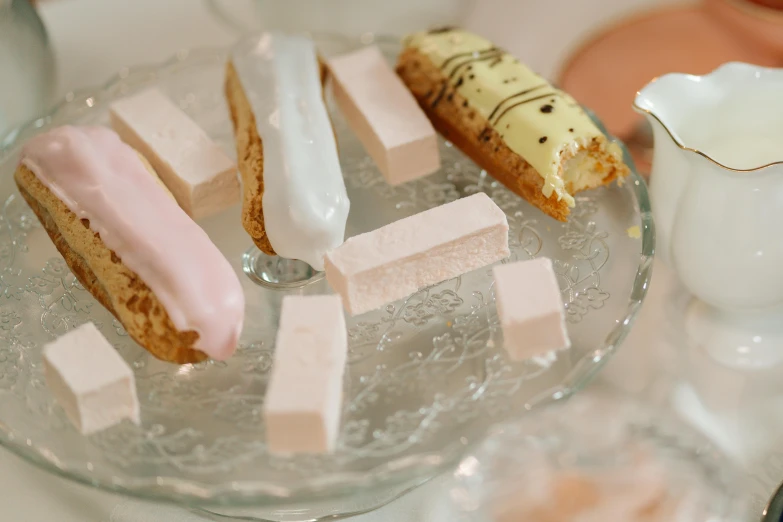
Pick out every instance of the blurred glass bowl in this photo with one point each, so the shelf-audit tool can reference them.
(347, 17)
(594, 457)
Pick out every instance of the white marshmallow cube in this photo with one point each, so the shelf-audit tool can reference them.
(303, 401)
(394, 261)
(530, 308)
(89, 379)
(202, 178)
(384, 115)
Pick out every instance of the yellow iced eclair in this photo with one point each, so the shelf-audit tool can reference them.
(531, 136)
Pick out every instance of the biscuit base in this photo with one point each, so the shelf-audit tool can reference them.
(106, 277)
(250, 159)
(462, 125)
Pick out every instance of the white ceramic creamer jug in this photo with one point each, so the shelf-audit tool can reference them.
(717, 194)
(717, 181)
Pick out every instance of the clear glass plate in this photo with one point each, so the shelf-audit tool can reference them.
(427, 375)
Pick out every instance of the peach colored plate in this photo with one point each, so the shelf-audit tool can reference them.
(605, 73)
(758, 20)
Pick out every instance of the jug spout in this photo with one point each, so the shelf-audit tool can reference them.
(717, 181)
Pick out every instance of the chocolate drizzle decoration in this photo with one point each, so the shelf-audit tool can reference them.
(472, 57)
(441, 30)
(459, 70)
(471, 54)
(515, 95)
(497, 120)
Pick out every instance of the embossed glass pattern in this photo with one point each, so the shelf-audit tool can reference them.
(426, 376)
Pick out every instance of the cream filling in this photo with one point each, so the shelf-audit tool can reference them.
(579, 172)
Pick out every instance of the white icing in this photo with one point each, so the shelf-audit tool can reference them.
(305, 202)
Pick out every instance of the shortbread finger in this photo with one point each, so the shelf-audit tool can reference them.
(532, 137)
(130, 245)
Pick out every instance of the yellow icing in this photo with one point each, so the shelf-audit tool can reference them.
(487, 76)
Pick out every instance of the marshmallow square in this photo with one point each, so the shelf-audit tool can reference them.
(530, 308)
(303, 401)
(384, 115)
(89, 379)
(202, 178)
(394, 261)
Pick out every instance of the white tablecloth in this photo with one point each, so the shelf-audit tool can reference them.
(93, 39)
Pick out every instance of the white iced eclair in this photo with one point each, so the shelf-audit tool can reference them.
(294, 204)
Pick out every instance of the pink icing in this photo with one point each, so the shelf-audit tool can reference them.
(100, 178)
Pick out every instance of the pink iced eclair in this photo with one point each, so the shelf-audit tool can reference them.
(130, 244)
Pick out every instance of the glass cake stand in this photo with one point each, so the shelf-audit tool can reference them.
(426, 376)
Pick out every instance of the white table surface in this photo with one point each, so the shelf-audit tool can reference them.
(93, 39)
